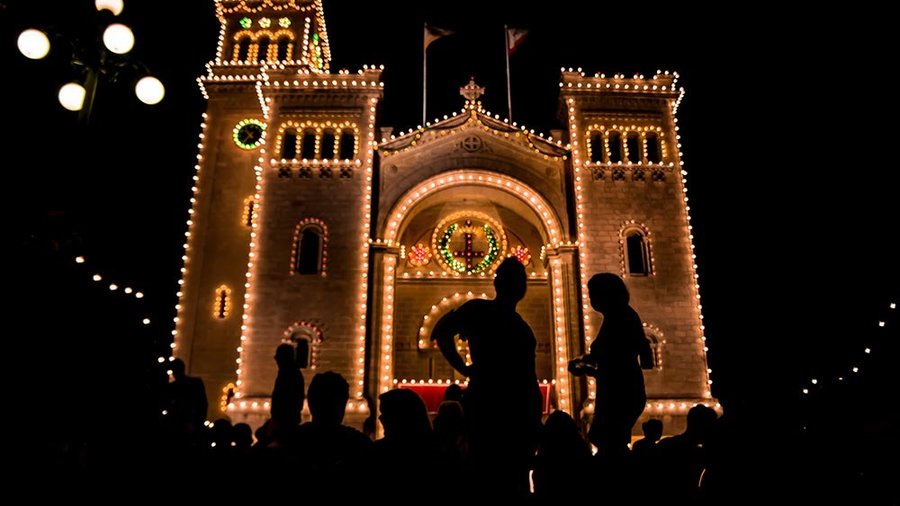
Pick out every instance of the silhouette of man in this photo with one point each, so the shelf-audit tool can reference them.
(287, 396)
(503, 401)
(614, 362)
(187, 402)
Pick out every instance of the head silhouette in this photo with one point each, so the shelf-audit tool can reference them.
(285, 356)
(327, 397)
(177, 367)
(608, 292)
(653, 429)
(510, 281)
(403, 415)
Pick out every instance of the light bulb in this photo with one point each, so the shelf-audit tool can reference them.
(71, 96)
(33, 44)
(114, 6)
(118, 38)
(150, 90)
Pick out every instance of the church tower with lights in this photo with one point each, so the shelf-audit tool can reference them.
(311, 226)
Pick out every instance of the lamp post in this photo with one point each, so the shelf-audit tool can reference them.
(102, 55)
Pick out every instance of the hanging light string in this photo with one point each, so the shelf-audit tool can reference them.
(854, 369)
(125, 290)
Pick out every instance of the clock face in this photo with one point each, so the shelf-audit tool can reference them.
(248, 133)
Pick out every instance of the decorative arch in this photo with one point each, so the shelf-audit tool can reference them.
(302, 231)
(222, 302)
(306, 337)
(438, 310)
(657, 342)
(518, 189)
(307, 138)
(635, 252)
(550, 229)
(248, 216)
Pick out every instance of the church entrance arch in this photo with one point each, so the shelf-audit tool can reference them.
(441, 240)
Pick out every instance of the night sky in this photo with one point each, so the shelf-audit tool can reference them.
(793, 181)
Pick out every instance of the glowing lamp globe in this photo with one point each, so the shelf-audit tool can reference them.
(34, 44)
(118, 38)
(114, 6)
(71, 96)
(150, 90)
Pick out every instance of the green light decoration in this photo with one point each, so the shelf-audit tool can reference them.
(247, 134)
(315, 53)
(284, 22)
(246, 22)
(467, 258)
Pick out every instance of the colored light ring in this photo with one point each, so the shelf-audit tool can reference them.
(240, 126)
(440, 240)
(438, 310)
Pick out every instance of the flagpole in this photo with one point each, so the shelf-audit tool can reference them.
(424, 77)
(508, 87)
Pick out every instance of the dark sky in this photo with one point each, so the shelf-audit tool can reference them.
(793, 180)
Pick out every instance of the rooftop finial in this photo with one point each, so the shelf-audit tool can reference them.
(472, 92)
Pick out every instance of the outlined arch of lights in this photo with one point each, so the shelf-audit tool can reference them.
(553, 233)
(222, 303)
(446, 228)
(254, 38)
(438, 310)
(317, 338)
(300, 127)
(624, 130)
(649, 329)
(644, 231)
(323, 246)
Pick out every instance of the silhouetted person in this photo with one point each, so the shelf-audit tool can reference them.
(408, 444)
(613, 361)
(646, 446)
(454, 392)
(332, 452)
(186, 403)
(684, 457)
(287, 396)
(561, 468)
(450, 433)
(502, 401)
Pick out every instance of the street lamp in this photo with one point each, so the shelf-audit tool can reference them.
(94, 60)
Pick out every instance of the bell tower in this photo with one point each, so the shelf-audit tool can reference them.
(277, 242)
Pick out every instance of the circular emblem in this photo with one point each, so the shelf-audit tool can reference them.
(247, 133)
(468, 242)
(472, 143)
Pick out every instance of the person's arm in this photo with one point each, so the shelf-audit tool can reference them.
(444, 331)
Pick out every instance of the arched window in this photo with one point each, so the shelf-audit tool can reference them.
(310, 247)
(348, 145)
(289, 144)
(653, 151)
(222, 303)
(262, 51)
(633, 142)
(284, 49)
(248, 217)
(306, 338)
(637, 253)
(243, 49)
(656, 345)
(309, 145)
(597, 148)
(327, 146)
(615, 147)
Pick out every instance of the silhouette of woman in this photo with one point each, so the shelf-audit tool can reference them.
(502, 402)
(613, 361)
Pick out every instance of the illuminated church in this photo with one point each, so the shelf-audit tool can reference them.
(311, 224)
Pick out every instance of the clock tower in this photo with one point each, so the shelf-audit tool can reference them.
(279, 132)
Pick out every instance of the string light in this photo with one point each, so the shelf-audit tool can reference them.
(855, 369)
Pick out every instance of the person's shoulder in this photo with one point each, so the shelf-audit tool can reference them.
(474, 306)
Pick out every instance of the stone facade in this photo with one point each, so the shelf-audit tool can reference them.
(352, 234)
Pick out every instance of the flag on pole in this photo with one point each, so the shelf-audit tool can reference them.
(433, 33)
(514, 37)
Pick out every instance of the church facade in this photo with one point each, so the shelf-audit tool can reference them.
(311, 224)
